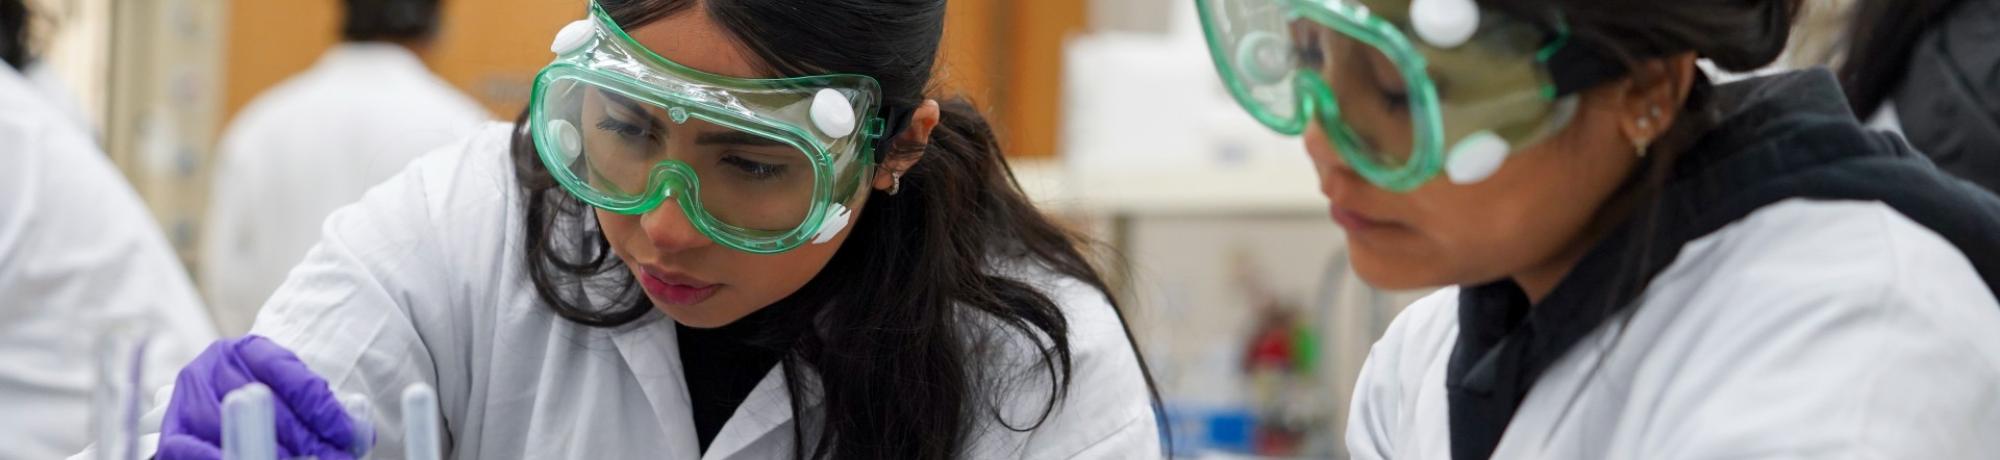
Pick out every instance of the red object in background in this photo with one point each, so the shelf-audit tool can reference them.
(1275, 442)
(1271, 349)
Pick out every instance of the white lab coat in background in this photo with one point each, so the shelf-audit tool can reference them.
(307, 147)
(1811, 329)
(424, 280)
(59, 95)
(79, 254)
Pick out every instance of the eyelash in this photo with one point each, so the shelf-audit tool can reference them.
(624, 129)
(1396, 100)
(756, 170)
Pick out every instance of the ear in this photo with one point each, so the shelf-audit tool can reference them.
(908, 146)
(1651, 98)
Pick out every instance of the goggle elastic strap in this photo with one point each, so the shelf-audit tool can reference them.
(1573, 66)
(896, 120)
(1576, 65)
(838, 216)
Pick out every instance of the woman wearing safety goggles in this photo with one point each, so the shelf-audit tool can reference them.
(1644, 264)
(722, 229)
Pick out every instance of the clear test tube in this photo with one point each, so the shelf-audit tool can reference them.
(249, 424)
(360, 411)
(420, 423)
(116, 394)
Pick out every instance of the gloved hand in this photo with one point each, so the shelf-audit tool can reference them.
(310, 420)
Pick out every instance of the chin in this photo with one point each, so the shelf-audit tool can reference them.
(698, 316)
(1394, 273)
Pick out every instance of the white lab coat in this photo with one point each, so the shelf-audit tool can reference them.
(79, 255)
(424, 280)
(1810, 329)
(307, 147)
(59, 95)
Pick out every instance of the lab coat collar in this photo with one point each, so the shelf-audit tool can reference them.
(1780, 137)
(766, 414)
(650, 348)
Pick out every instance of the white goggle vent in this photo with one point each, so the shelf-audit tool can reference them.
(1476, 157)
(1445, 23)
(568, 141)
(572, 37)
(836, 220)
(833, 113)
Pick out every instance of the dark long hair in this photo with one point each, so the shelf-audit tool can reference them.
(1880, 41)
(1735, 35)
(14, 33)
(884, 323)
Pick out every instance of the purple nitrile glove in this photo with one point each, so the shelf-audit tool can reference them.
(310, 421)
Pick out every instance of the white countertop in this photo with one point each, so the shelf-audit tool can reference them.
(1250, 189)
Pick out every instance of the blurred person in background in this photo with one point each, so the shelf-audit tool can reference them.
(316, 142)
(79, 256)
(17, 50)
(1642, 263)
(1930, 69)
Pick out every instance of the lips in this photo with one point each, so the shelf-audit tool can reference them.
(1354, 221)
(675, 288)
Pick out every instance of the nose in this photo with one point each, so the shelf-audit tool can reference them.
(1334, 172)
(670, 230)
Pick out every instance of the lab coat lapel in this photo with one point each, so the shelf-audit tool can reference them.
(763, 420)
(652, 352)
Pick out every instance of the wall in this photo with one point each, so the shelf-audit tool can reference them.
(489, 48)
(163, 88)
(1004, 54)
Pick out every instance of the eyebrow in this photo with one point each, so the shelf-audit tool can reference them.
(652, 122)
(733, 137)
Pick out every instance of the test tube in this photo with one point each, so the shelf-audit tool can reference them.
(115, 408)
(249, 425)
(420, 423)
(359, 411)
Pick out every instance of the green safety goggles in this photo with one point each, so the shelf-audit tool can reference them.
(758, 165)
(1403, 89)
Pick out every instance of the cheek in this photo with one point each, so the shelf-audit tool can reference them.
(1446, 232)
(780, 275)
(758, 281)
(1478, 231)
(1533, 211)
(627, 238)
(765, 279)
